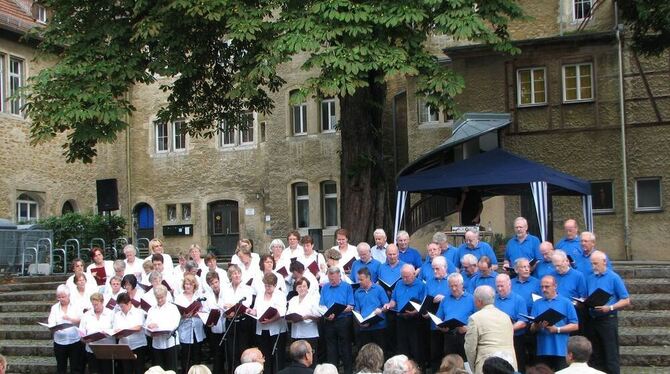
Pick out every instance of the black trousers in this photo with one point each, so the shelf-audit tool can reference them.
(520, 350)
(241, 335)
(407, 336)
(96, 366)
(74, 353)
(266, 343)
(454, 342)
(436, 349)
(338, 342)
(191, 354)
(603, 332)
(389, 346)
(166, 358)
(135, 366)
(216, 351)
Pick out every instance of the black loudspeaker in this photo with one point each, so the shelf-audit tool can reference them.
(108, 195)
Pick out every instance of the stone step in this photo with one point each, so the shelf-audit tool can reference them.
(26, 347)
(645, 318)
(30, 286)
(650, 301)
(26, 306)
(32, 364)
(39, 278)
(635, 272)
(645, 356)
(24, 332)
(640, 286)
(43, 295)
(644, 370)
(644, 336)
(23, 318)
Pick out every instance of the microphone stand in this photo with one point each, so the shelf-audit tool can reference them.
(274, 350)
(233, 324)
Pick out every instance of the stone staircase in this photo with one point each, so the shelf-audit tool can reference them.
(644, 329)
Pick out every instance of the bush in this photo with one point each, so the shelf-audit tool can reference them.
(84, 227)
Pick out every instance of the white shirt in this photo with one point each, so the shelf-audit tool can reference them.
(277, 301)
(313, 282)
(320, 261)
(81, 301)
(122, 321)
(109, 272)
(255, 260)
(223, 279)
(288, 253)
(232, 296)
(150, 298)
(259, 286)
(214, 302)
(579, 368)
(308, 306)
(378, 254)
(252, 272)
(109, 295)
(347, 255)
(193, 325)
(69, 335)
(91, 285)
(135, 268)
(167, 263)
(90, 323)
(167, 318)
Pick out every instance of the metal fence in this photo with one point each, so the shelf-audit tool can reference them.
(21, 247)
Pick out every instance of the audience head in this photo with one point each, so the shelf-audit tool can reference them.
(497, 365)
(300, 351)
(3, 364)
(199, 369)
(539, 369)
(325, 369)
(370, 359)
(579, 349)
(249, 368)
(396, 365)
(452, 364)
(252, 355)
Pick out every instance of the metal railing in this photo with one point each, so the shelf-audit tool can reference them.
(142, 248)
(74, 244)
(427, 210)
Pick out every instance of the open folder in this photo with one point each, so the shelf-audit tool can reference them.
(370, 319)
(551, 316)
(599, 297)
(451, 323)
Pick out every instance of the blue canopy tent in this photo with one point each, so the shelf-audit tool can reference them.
(496, 172)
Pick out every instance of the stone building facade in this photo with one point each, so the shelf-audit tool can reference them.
(284, 171)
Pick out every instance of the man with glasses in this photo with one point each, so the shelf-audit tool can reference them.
(302, 358)
(476, 248)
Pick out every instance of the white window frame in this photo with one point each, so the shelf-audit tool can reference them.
(246, 136)
(578, 86)
(2, 82)
(330, 113)
(581, 3)
(41, 14)
(658, 208)
(297, 198)
(329, 196)
(533, 82)
(426, 113)
(31, 205)
(237, 137)
(15, 82)
(302, 109)
(159, 136)
(226, 136)
(178, 136)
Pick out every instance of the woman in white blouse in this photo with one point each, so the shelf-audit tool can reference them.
(249, 271)
(98, 319)
(267, 266)
(163, 316)
(81, 295)
(103, 269)
(67, 344)
(310, 256)
(306, 304)
(240, 336)
(129, 283)
(273, 328)
(130, 318)
(191, 328)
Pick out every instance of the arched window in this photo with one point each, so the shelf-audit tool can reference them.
(27, 209)
(68, 207)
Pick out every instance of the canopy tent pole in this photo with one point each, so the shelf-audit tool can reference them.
(399, 212)
(587, 207)
(539, 190)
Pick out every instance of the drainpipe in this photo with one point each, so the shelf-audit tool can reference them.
(128, 176)
(560, 17)
(622, 120)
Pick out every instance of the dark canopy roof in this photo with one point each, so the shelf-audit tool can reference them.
(496, 172)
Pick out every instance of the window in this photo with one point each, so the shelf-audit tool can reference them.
(2, 83)
(68, 207)
(577, 82)
(530, 85)
(328, 117)
(262, 131)
(15, 82)
(40, 13)
(231, 137)
(301, 203)
(426, 113)
(329, 197)
(171, 212)
(582, 9)
(299, 118)
(170, 137)
(27, 209)
(602, 194)
(186, 212)
(648, 194)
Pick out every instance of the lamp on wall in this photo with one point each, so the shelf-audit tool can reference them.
(260, 194)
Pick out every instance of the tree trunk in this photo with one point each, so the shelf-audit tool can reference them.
(363, 182)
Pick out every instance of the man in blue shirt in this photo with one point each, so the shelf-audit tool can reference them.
(484, 277)
(522, 244)
(370, 298)
(437, 287)
(570, 243)
(337, 329)
(407, 254)
(544, 265)
(389, 272)
(552, 340)
(433, 250)
(448, 251)
(457, 305)
(583, 258)
(571, 283)
(408, 320)
(477, 248)
(513, 305)
(603, 326)
(365, 261)
(525, 286)
(469, 268)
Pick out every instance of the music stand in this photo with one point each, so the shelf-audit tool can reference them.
(112, 352)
